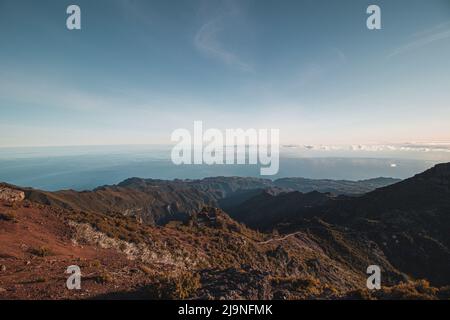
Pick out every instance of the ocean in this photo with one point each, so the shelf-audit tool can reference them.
(87, 167)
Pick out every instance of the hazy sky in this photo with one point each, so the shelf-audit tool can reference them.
(140, 69)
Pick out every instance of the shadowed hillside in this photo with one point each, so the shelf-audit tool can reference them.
(159, 201)
(408, 220)
(155, 239)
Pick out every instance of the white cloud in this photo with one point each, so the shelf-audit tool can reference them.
(207, 41)
(342, 58)
(423, 147)
(423, 38)
(407, 147)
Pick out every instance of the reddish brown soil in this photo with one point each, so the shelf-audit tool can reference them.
(27, 274)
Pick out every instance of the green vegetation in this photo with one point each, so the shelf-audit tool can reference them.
(182, 286)
(302, 287)
(103, 278)
(114, 226)
(411, 290)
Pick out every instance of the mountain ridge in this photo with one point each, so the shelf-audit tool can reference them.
(296, 245)
(157, 201)
(409, 219)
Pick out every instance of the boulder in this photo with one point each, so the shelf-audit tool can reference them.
(11, 195)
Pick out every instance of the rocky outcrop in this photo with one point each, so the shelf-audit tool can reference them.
(11, 195)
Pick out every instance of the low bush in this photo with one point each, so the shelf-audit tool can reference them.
(8, 216)
(103, 278)
(178, 287)
(41, 252)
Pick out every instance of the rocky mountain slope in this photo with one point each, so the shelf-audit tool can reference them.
(409, 220)
(156, 239)
(159, 201)
(209, 256)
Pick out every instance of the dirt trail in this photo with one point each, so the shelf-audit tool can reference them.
(280, 239)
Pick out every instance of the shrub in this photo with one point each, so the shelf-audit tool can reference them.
(116, 227)
(95, 263)
(297, 283)
(411, 290)
(178, 287)
(103, 278)
(145, 269)
(187, 285)
(11, 217)
(41, 252)
(359, 294)
(12, 205)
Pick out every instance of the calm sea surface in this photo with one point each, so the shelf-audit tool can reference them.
(80, 168)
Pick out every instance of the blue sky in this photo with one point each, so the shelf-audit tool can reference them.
(140, 69)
